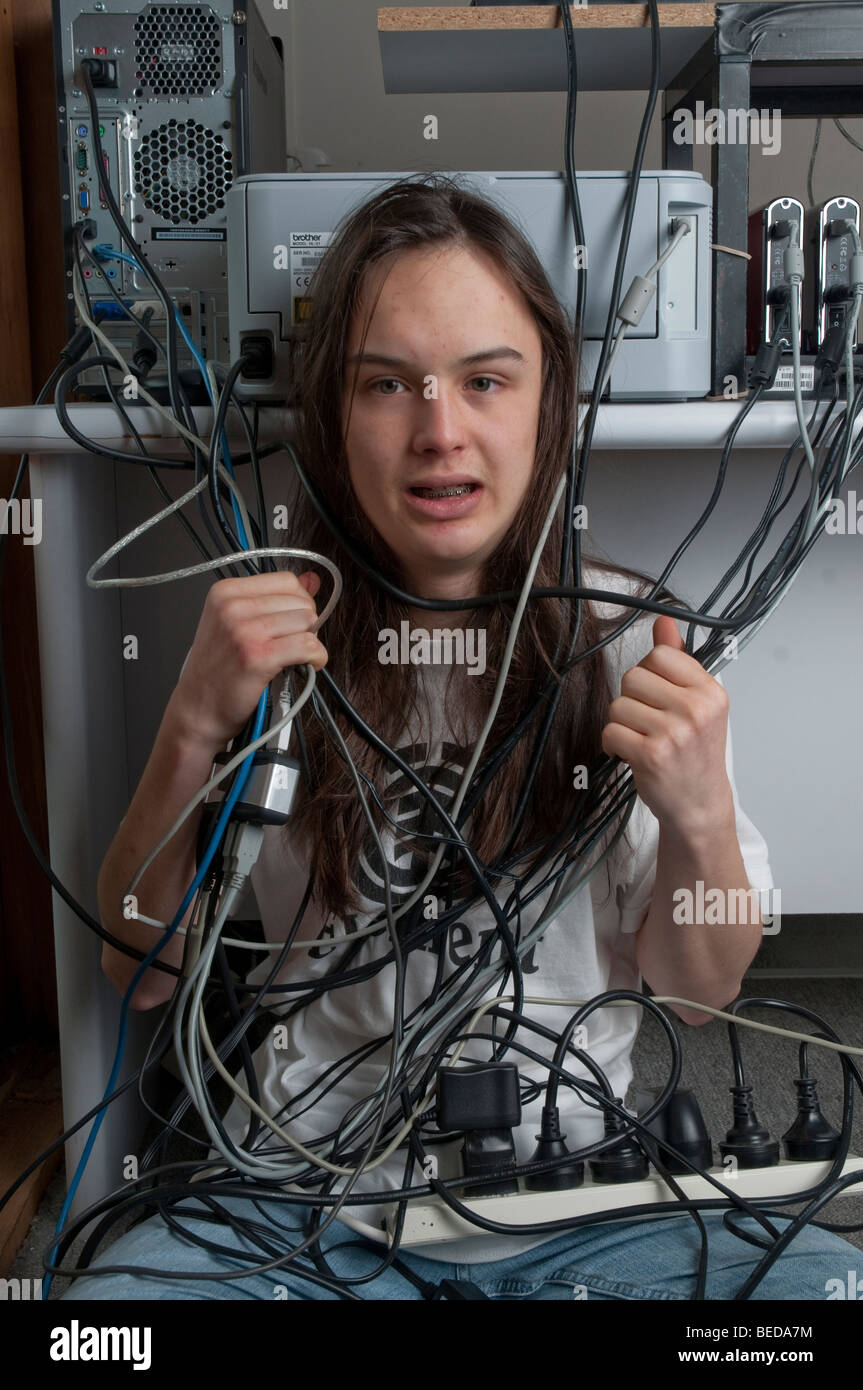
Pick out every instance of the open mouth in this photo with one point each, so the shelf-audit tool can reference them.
(456, 490)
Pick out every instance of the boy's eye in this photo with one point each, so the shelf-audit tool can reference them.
(384, 383)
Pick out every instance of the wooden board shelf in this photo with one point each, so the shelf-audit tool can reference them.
(520, 48)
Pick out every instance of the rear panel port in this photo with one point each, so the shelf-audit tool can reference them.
(260, 351)
(103, 71)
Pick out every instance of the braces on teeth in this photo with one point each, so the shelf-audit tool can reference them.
(457, 491)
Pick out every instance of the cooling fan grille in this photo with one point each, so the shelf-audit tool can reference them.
(178, 51)
(183, 171)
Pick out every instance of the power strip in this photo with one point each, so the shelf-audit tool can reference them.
(433, 1221)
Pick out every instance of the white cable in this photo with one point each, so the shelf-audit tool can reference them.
(225, 476)
(141, 581)
(268, 733)
(191, 1065)
(683, 230)
(631, 309)
(204, 791)
(793, 265)
(81, 305)
(761, 1027)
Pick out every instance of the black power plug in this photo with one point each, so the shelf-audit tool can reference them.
(679, 1124)
(810, 1137)
(550, 1146)
(103, 71)
(747, 1141)
(258, 350)
(625, 1162)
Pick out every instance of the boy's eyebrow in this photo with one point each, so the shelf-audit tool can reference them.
(381, 359)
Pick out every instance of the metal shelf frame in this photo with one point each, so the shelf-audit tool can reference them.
(802, 59)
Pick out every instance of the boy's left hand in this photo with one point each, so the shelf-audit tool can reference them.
(670, 724)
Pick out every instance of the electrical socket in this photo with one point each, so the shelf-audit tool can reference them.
(432, 1221)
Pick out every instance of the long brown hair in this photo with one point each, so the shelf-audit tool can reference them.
(328, 820)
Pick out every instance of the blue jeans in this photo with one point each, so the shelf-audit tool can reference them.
(644, 1259)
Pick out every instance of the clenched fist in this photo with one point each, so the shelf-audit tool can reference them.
(250, 629)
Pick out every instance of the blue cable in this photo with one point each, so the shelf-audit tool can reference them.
(243, 774)
(236, 791)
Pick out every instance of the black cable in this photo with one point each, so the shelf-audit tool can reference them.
(179, 403)
(234, 542)
(112, 393)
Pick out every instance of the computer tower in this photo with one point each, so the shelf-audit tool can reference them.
(190, 97)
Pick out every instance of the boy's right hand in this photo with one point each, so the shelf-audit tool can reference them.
(250, 629)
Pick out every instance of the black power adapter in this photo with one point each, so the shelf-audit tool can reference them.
(483, 1102)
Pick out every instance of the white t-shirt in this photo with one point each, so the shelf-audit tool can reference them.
(588, 948)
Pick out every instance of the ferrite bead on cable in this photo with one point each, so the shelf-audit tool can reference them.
(636, 300)
(793, 261)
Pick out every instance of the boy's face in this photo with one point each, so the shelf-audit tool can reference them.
(428, 417)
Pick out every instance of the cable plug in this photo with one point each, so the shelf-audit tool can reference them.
(831, 354)
(766, 365)
(550, 1146)
(241, 849)
(841, 226)
(284, 704)
(680, 1126)
(779, 294)
(747, 1141)
(457, 1289)
(257, 352)
(810, 1137)
(145, 355)
(625, 1162)
(780, 229)
(77, 345)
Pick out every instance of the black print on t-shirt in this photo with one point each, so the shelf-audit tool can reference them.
(414, 815)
